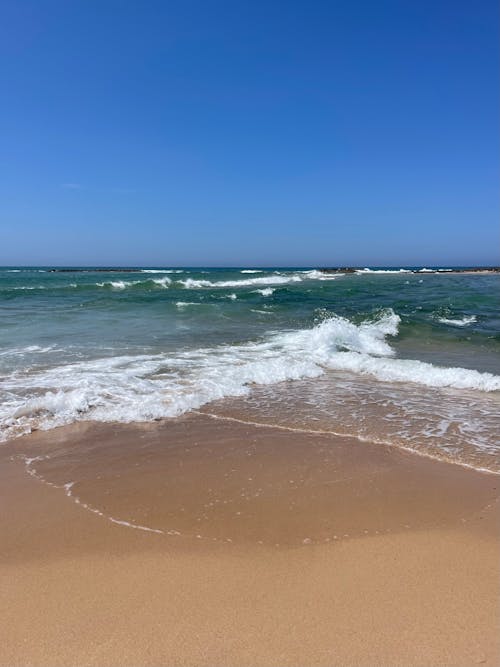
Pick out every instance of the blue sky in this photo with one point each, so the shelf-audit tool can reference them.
(258, 133)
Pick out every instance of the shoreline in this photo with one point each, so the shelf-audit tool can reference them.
(360, 438)
(412, 580)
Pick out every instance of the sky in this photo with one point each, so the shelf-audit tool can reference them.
(208, 133)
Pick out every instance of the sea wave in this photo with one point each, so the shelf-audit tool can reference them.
(314, 274)
(118, 284)
(28, 287)
(274, 279)
(459, 322)
(146, 387)
(122, 284)
(162, 270)
(28, 349)
(192, 283)
(398, 271)
(163, 282)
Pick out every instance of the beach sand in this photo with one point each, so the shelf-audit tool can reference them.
(273, 547)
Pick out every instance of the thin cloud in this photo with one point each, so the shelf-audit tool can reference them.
(72, 186)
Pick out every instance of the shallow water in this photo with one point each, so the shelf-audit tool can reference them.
(407, 359)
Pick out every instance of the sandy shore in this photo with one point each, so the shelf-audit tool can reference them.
(269, 548)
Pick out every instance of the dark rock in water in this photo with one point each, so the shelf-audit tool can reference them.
(474, 269)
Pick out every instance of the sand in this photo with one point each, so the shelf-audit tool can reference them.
(340, 553)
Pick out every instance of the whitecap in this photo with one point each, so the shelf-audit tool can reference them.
(191, 283)
(163, 282)
(367, 270)
(162, 271)
(462, 322)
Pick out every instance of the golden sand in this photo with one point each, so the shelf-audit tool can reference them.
(274, 548)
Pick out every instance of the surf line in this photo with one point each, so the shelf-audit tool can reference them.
(385, 443)
(67, 487)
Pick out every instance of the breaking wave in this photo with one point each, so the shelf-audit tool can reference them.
(145, 387)
(191, 283)
(362, 271)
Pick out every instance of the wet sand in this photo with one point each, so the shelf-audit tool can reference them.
(270, 548)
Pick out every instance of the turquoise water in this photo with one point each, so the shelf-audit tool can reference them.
(406, 359)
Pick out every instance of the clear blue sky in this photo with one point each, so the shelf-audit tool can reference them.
(249, 133)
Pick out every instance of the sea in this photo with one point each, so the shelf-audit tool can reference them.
(403, 357)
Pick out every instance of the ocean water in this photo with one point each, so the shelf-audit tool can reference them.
(410, 360)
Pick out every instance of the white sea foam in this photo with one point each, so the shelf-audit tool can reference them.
(29, 349)
(163, 282)
(191, 283)
(29, 287)
(363, 271)
(117, 284)
(184, 304)
(145, 387)
(462, 322)
(273, 279)
(123, 284)
(266, 291)
(162, 270)
(251, 271)
(314, 274)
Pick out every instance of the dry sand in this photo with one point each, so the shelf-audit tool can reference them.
(341, 553)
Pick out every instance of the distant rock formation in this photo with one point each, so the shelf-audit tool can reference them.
(96, 270)
(472, 269)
